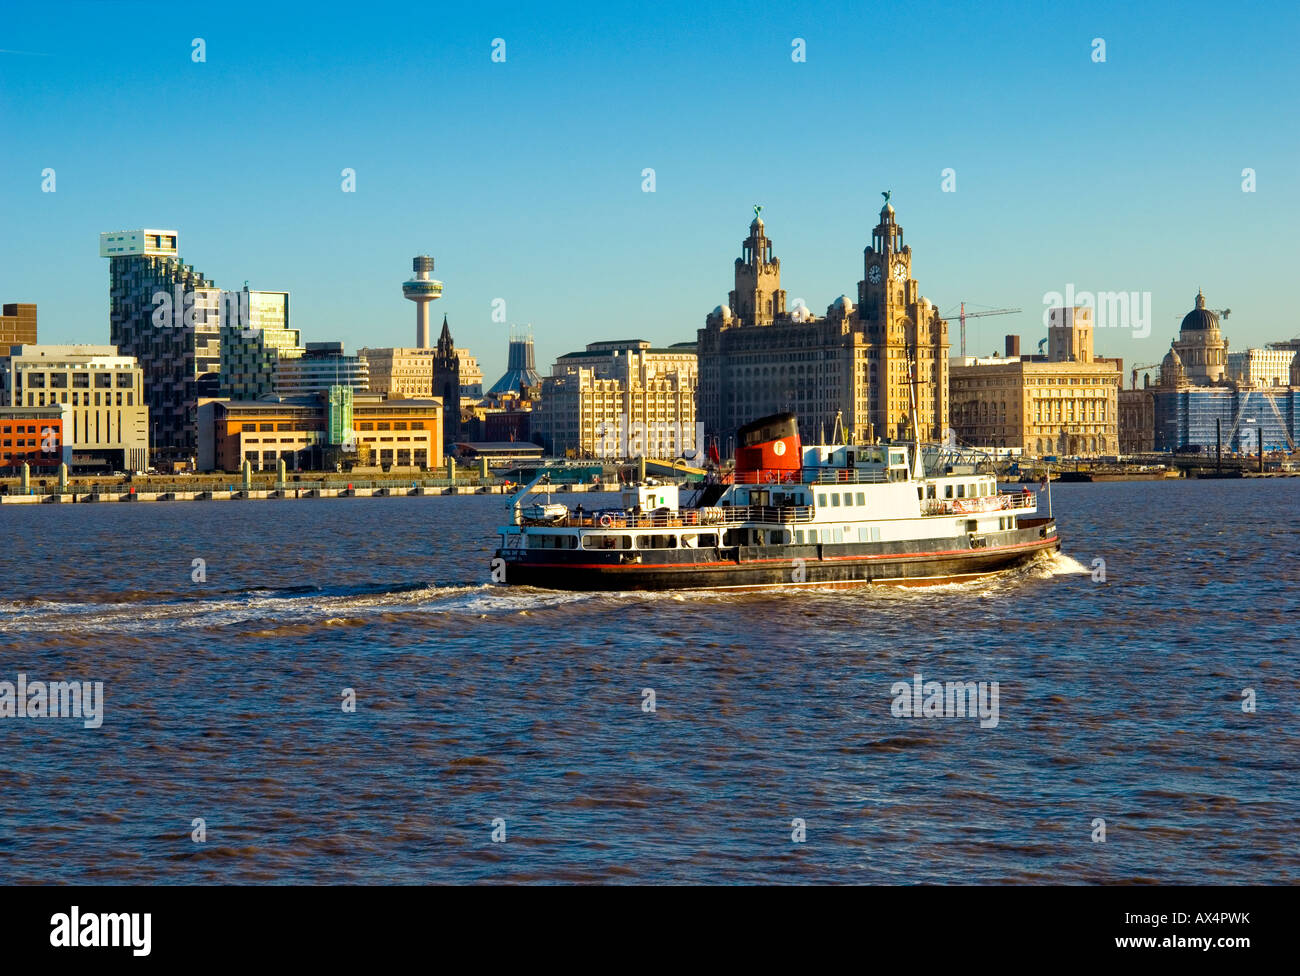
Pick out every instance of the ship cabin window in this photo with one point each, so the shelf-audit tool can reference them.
(821, 498)
(929, 491)
(974, 490)
(656, 542)
(848, 498)
(862, 498)
(551, 541)
(961, 491)
(606, 542)
(972, 525)
(835, 500)
(699, 540)
(947, 491)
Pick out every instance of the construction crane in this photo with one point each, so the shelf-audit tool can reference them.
(964, 315)
(1138, 369)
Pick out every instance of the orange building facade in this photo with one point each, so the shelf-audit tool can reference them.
(31, 434)
(397, 433)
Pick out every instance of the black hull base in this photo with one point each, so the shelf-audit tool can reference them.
(928, 562)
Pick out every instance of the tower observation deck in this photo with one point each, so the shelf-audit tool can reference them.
(422, 290)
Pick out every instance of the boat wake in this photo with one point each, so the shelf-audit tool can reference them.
(266, 612)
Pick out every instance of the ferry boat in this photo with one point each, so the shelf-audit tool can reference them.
(823, 516)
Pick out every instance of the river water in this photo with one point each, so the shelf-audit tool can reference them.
(481, 709)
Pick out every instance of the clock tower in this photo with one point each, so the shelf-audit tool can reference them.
(907, 341)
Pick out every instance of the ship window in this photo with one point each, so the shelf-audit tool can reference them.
(550, 541)
(961, 491)
(839, 534)
(607, 542)
(875, 534)
(862, 498)
(835, 500)
(656, 542)
(848, 498)
(696, 540)
(821, 498)
(862, 534)
(947, 491)
(929, 491)
(826, 535)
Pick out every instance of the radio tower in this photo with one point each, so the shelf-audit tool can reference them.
(422, 290)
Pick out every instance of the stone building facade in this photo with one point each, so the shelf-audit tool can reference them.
(849, 374)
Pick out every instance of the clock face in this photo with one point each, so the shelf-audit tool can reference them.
(900, 272)
(873, 274)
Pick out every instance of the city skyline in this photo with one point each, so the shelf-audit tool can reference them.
(518, 200)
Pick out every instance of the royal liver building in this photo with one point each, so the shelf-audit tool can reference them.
(850, 369)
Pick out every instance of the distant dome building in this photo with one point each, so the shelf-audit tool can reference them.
(1172, 373)
(1201, 350)
(801, 313)
(841, 308)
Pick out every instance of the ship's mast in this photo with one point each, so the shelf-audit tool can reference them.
(918, 469)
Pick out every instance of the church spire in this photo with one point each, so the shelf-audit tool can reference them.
(445, 343)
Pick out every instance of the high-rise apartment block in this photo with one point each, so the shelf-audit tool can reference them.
(167, 315)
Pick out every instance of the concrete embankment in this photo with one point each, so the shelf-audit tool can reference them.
(100, 493)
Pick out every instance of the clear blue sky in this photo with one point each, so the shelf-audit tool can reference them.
(523, 178)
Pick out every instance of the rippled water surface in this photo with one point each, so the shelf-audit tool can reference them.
(1118, 700)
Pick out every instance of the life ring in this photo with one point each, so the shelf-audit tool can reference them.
(606, 520)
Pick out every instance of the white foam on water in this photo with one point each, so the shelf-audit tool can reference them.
(272, 610)
(1059, 564)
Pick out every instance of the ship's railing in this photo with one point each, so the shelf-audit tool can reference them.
(683, 518)
(851, 476)
(1001, 502)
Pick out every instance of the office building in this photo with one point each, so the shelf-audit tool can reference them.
(620, 399)
(31, 436)
(101, 394)
(848, 375)
(17, 325)
(302, 430)
(322, 365)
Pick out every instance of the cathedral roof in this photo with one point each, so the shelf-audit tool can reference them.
(1200, 319)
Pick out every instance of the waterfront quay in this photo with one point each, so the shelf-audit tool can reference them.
(235, 487)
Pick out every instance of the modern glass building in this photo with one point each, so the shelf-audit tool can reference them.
(322, 365)
(1185, 420)
(251, 349)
